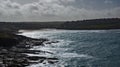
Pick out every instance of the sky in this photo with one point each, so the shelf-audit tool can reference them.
(58, 10)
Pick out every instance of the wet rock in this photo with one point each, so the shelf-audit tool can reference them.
(52, 62)
(38, 44)
(35, 58)
(13, 51)
(4, 51)
(31, 51)
(8, 42)
(50, 42)
(42, 59)
(53, 58)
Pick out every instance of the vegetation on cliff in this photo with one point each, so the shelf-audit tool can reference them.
(109, 23)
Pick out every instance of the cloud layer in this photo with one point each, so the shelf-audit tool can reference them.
(51, 10)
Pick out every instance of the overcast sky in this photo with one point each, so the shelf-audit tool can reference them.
(58, 10)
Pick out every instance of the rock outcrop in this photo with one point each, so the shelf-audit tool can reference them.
(13, 50)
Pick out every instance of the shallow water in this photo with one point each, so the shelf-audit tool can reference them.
(79, 48)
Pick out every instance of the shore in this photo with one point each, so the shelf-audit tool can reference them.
(14, 49)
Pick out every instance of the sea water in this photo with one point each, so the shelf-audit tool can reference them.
(79, 48)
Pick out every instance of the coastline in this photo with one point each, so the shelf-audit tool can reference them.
(93, 24)
(14, 51)
(17, 52)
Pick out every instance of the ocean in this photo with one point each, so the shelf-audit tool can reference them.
(79, 48)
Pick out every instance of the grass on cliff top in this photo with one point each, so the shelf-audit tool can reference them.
(5, 35)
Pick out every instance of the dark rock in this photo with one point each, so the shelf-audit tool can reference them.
(52, 61)
(52, 58)
(4, 51)
(8, 42)
(50, 42)
(35, 58)
(13, 49)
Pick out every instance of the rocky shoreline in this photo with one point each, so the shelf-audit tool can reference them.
(14, 49)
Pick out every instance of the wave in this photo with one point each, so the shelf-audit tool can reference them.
(60, 49)
(48, 33)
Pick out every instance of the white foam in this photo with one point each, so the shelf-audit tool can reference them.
(74, 55)
(54, 46)
(47, 65)
(40, 55)
(47, 33)
(58, 49)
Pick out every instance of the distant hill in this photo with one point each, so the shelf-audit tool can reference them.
(109, 23)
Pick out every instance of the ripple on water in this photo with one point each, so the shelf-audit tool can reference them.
(60, 50)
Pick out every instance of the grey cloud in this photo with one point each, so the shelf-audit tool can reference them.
(9, 5)
(22, 2)
(50, 10)
(108, 1)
